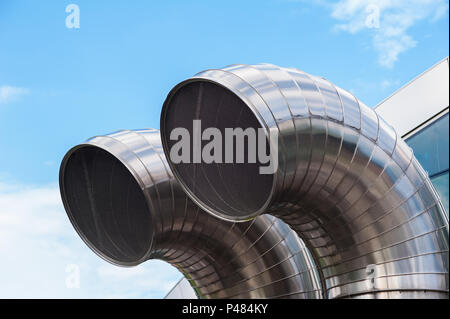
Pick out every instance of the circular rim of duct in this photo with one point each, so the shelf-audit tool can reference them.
(175, 172)
(69, 213)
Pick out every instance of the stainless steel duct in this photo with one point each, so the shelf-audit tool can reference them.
(123, 201)
(346, 183)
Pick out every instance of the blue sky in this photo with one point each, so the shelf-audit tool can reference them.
(60, 86)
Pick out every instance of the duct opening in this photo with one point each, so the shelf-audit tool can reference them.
(106, 205)
(231, 190)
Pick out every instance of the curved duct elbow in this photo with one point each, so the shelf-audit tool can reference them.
(123, 201)
(345, 183)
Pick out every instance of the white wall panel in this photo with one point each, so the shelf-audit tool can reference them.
(419, 100)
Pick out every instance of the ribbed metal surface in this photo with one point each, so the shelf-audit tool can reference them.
(124, 202)
(346, 183)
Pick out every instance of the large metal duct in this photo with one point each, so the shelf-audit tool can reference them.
(346, 183)
(123, 201)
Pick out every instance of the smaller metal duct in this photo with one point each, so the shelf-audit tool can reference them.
(123, 201)
(346, 183)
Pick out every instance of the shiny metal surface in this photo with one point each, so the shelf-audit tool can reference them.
(124, 202)
(347, 184)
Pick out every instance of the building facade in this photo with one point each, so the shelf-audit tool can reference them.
(419, 113)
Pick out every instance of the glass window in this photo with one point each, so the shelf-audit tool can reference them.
(441, 184)
(431, 148)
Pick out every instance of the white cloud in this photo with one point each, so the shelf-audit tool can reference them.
(387, 84)
(387, 20)
(37, 243)
(11, 93)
